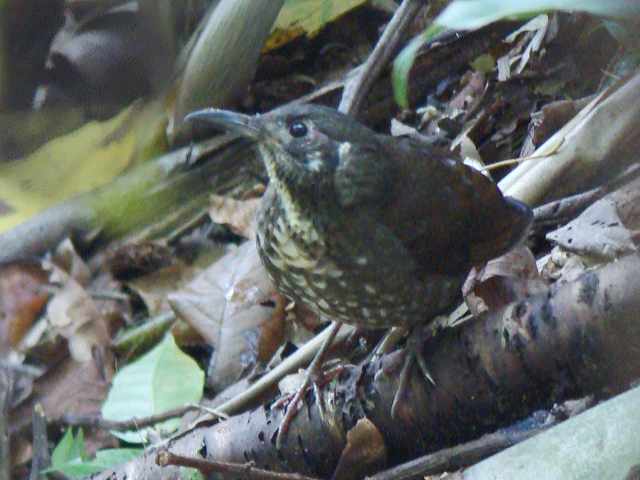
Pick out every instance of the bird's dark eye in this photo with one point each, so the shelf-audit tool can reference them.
(298, 129)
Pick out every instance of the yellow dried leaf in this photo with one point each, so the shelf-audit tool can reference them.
(299, 17)
(78, 162)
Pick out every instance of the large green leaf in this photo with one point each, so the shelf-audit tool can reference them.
(471, 14)
(162, 379)
(109, 458)
(70, 457)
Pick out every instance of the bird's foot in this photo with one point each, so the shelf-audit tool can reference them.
(388, 342)
(413, 355)
(312, 378)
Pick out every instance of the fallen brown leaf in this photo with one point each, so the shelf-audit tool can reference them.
(238, 214)
(21, 301)
(225, 305)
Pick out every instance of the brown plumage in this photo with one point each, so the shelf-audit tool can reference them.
(369, 229)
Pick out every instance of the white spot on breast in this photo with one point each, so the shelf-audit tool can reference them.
(277, 262)
(362, 260)
(314, 162)
(344, 149)
(301, 261)
(289, 248)
(334, 273)
(322, 303)
(299, 279)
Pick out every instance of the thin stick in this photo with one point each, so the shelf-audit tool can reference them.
(41, 458)
(312, 371)
(296, 360)
(6, 390)
(135, 423)
(357, 88)
(206, 467)
(459, 456)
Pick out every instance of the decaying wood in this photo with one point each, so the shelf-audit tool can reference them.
(577, 338)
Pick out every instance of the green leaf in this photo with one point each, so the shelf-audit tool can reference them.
(484, 63)
(472, 14)
(404, 61)
(105, 459)
(70, 458)
(160, 380)
(187, 473)
(90, 157)
(69, 448)
(306, 17)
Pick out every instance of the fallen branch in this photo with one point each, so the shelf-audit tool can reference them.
(246, 470)
(575, 339)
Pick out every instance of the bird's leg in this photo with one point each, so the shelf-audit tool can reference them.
(413, 354)
(311, 378)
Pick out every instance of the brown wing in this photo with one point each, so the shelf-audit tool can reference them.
(448, 215)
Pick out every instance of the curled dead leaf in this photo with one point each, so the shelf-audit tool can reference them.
(502, 280)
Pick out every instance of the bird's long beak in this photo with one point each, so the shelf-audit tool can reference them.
(239, 123)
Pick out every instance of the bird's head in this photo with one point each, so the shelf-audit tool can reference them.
(309, 148)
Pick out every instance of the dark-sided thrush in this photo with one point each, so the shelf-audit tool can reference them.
(368, 229)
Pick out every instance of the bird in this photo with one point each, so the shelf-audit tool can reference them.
(365, 228)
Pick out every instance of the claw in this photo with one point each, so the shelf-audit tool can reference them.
(310, 379)
(413, 355)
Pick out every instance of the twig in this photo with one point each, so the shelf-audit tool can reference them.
(246, 470)
(565, 208)
(134, 423)
(22, 369)
(41, 458)
(357, 88)
(109, 295)
(569, 207)
(459, 456)
(6, 389)
(298, 359)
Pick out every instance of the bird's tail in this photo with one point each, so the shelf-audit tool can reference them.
(512, 228)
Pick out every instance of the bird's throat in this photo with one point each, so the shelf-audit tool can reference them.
(298, 221)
